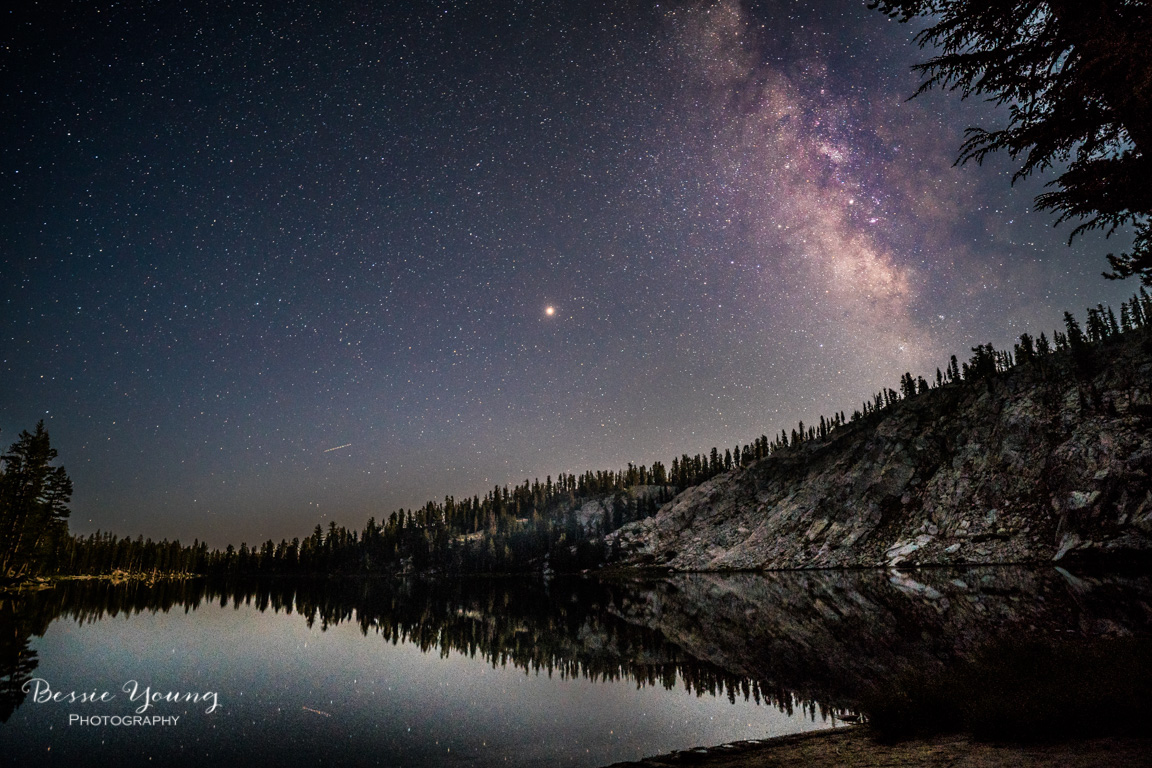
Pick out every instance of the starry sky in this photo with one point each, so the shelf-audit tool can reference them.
(271, 264)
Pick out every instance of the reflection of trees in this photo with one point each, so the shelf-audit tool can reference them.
(24, 614)
(568, 627)
(19, 620)
(817, 640)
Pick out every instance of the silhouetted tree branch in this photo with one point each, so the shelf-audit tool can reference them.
(1076, 78)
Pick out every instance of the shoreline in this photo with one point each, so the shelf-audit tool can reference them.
(856, 746)
(37, 583)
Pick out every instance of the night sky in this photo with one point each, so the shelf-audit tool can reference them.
(236, 236)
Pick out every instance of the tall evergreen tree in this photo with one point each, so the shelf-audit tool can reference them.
(34, 498)
(1076, 78)
(1075, 337)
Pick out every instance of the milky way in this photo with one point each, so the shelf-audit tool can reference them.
(470, 244)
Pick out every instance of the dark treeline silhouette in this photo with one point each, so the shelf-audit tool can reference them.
(555, 525)
(526, 528)
(1102, 327)
(567, 627)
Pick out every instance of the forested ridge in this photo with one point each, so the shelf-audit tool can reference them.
(555, 525)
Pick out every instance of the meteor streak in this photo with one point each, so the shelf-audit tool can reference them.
(326, 450)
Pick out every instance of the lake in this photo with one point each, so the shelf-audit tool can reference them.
(522, 672)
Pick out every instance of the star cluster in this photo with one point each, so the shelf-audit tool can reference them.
(470, 243)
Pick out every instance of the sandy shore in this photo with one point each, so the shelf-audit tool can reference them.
(856, 748)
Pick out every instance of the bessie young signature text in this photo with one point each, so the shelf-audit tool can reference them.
(42, 693)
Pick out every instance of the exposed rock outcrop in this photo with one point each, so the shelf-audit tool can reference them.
(1045, 461)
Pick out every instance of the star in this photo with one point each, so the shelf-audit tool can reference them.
(355, 256)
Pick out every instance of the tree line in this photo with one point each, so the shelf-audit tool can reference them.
(555, 525)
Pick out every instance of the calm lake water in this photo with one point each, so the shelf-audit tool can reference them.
(577, 672)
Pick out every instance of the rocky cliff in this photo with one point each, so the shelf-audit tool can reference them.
(1046, 461)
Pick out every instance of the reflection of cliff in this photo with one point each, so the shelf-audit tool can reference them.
(1045, 461)
(833, 636)
(820, 638)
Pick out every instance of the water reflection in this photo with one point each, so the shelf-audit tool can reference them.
(838, 638)
(822, 641)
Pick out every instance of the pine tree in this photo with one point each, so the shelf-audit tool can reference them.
(1024, 349)
(1137, 313)
(907, 386)
(34, 500)
(1076, 80)
(1075, 337)
(1113, 328)
(1096, 329)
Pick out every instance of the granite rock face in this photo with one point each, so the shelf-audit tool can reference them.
(1046, 461)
